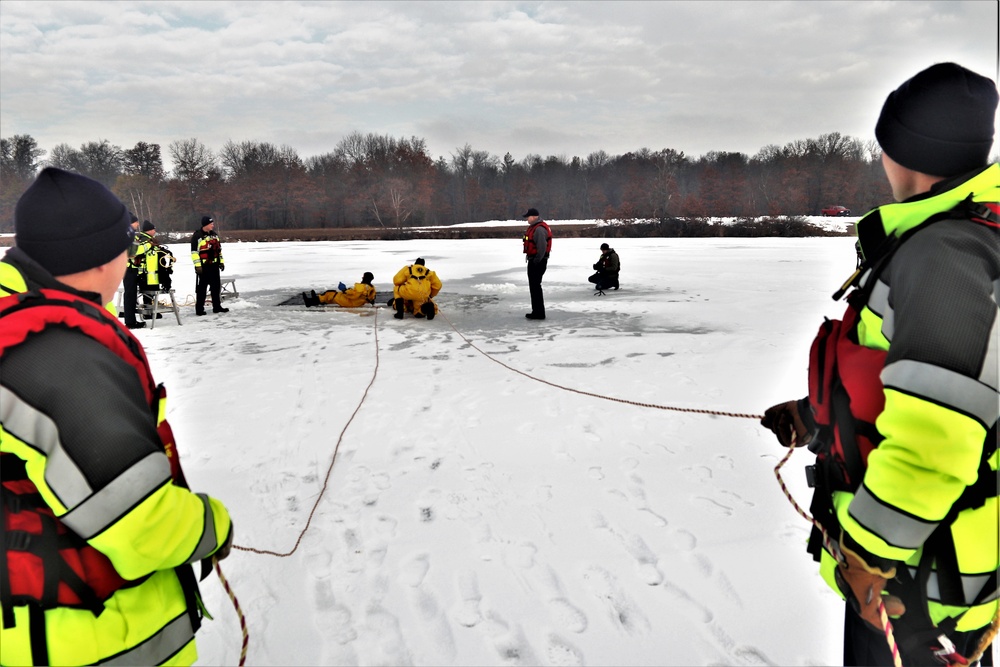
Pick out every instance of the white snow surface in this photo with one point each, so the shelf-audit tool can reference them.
(476, 514)
(843, 224)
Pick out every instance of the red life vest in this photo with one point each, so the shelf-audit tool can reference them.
(46, 563)
(529, 239)
(846, 397)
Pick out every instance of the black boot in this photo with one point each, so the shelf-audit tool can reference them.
(399, 309)
(428, 310)
(310, 299)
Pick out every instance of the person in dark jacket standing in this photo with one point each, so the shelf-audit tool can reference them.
(206, 253)
(130, 281)
(903, 390)
(537, 246)
(607, 268)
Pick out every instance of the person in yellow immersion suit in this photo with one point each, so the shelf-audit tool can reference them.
(414, 287)
(343, 296)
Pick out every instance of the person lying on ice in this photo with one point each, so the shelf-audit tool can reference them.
(414, 287)
(344, 296)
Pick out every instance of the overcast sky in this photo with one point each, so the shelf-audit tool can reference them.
(552, 78)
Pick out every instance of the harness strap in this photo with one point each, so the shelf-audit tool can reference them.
(987, 213)
(5, 595)
(36, 634)
(841, 405)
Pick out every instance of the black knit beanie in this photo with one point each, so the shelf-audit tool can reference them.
(147, 226)
(940, 122)
(367, 278)
(70, 223)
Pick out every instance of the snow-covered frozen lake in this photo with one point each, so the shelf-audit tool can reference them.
(476, 515)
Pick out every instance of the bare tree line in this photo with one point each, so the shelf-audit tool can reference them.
(372, 180)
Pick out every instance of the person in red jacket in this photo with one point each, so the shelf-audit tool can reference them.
(537, 246)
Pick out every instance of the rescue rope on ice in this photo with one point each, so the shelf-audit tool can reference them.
(298, 540)
(329, 470)
(239, 611)
(672, 408)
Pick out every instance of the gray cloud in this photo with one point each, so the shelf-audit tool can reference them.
(557, 78)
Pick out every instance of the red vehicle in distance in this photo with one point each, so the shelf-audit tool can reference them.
(835, 211)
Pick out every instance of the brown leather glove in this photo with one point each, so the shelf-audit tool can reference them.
(862, 584)
(784, 420)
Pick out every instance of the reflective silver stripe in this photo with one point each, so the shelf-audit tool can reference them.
(945, 387)
(160, 647)
(36, 429)
(878, 300)
(862, 281)
(972, 585)
(889, 324)
(990, 375)
(878, 303)
(208, 540)
(107, 505)
(897, 528)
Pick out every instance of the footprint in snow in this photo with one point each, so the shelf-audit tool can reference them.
(567, 615)
(699, 611)
(386, 525)
(521, 555)
(629, 464)
(509, 642)
(752, 656)
(737, 498)
(467, 613)
(354, 555)
(700, 473)
(332, 619)
(623, 612)
(723, 461)
(434, 627)
(713, 507)
(684, 540)
(645, 561)
(388, 645)
(413, 571)
(561, 653)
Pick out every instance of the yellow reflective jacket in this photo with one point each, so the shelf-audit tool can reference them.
(145, 260)
(108, 479)
(933, 310)
(206, 249)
